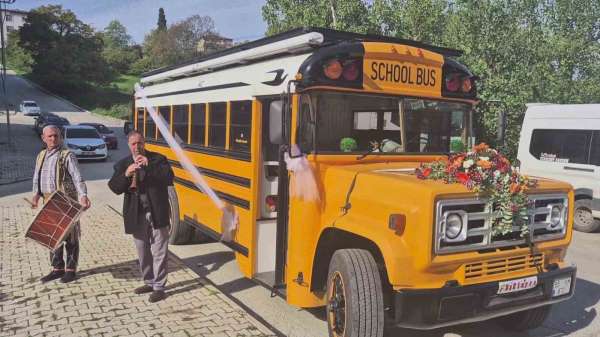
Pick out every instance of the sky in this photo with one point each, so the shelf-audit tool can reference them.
(240, 20)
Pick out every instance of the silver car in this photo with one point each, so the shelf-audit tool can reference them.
(85, 142)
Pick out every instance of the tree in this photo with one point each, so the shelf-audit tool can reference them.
(66, 52)
(118, 52)
(178, 43)
(17, 58)
(162, 20)
(349, 15)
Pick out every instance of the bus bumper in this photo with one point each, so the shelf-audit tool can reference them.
(450, 305)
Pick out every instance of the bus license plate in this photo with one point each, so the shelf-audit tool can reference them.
(521, 284)
(561, 286)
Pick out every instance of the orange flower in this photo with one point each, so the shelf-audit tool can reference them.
(515, 188)
(481, 147)
(484, 164)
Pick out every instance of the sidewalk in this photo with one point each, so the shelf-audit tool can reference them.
(101, 301)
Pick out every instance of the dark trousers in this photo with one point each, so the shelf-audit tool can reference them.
(71, 245)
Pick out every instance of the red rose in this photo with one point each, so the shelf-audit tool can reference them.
(462, 177)
(426, 172)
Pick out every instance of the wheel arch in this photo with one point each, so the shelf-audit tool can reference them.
(333, 239)
(583, 193)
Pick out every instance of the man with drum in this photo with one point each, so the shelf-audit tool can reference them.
(144, 178)
(56, 169)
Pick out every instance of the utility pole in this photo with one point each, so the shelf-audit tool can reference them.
(3, 4)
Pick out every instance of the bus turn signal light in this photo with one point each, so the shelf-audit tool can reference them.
(397, 223)
(452, 82)
(467, 85)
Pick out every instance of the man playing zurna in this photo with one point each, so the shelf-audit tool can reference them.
(56, 169)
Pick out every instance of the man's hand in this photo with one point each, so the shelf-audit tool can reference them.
(85, 202)
(130, 169)
(141, 160)
(34, 200)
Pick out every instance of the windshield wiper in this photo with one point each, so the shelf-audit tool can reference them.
(362, 156)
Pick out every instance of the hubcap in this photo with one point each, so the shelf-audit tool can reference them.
(584, 216)
(337, 305)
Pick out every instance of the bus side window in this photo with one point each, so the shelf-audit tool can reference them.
(241, 121)
(150, 129)
(217, 124)
(180, 122)
(140, 120)
(198, 124)
(165, 112)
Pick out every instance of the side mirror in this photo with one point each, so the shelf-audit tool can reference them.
(276, 123)
(501, 128)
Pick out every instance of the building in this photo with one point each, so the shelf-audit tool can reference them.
(13, 20)
(212, 42)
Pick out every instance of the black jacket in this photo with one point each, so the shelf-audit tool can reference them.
(154, 180)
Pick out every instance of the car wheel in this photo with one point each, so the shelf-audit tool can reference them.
(583, 219)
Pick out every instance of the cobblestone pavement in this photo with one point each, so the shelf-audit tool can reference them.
(101, 301)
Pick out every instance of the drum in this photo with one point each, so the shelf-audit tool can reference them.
(54, 221)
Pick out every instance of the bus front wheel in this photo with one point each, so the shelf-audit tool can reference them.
(354, 295)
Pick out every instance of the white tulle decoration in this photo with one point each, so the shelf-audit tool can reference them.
(229, 218)
(303, 184)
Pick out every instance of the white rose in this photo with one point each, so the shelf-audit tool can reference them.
(468, 163)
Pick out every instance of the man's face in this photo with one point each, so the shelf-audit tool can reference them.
(136, 144)
(52, 138)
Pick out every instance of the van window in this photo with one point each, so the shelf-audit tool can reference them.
(595, 149)
(563, 146)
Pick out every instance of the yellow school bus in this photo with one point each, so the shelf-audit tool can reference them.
(375, 247)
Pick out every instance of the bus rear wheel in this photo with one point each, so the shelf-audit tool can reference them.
(525, 320)
(354, 295)
(179, 232)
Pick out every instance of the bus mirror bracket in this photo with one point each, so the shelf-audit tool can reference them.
(276, 123)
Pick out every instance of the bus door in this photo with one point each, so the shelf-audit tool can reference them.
(272, 223)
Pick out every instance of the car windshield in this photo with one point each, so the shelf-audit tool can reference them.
(361, 123)
(30, 104)
(82, 133)
(102, 129)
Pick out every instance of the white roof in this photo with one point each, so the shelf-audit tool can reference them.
(561, 111)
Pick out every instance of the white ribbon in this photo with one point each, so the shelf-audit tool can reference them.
(303, 184)
(229, 219)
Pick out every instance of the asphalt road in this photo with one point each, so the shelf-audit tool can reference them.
(575, 317)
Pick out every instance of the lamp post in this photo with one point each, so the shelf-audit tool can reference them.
(3, 44)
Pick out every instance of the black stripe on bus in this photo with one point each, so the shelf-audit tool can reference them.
(214, 235)
(213, 87)
(243, 156)
(225, 196)
(241, 181)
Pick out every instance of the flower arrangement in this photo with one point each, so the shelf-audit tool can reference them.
(486, 171)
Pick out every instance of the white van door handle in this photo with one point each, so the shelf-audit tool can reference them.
(578, 169)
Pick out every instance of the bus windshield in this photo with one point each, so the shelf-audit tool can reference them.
(339, 123)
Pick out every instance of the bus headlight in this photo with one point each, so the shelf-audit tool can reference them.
(454, 227)
(556, 218)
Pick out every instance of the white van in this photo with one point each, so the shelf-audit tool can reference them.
(563, 142)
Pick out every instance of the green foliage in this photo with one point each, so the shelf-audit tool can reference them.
(173, 45)
(66, 53)
(118, 52)
(522, 51)
(17, 58)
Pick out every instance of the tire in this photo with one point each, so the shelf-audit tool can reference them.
(179, 233)
(354, 295)
(199, 237)
(584, 221)
(525, 320)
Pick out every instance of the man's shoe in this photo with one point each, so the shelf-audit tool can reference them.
(157, 295)
(55, 274)
(143, 289)
(68, 277)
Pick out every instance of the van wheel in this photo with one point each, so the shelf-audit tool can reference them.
(354, 295)
(584, 221)
(525, 320)
(179, 233)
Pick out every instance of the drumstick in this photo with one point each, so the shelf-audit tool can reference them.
(30, 203)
